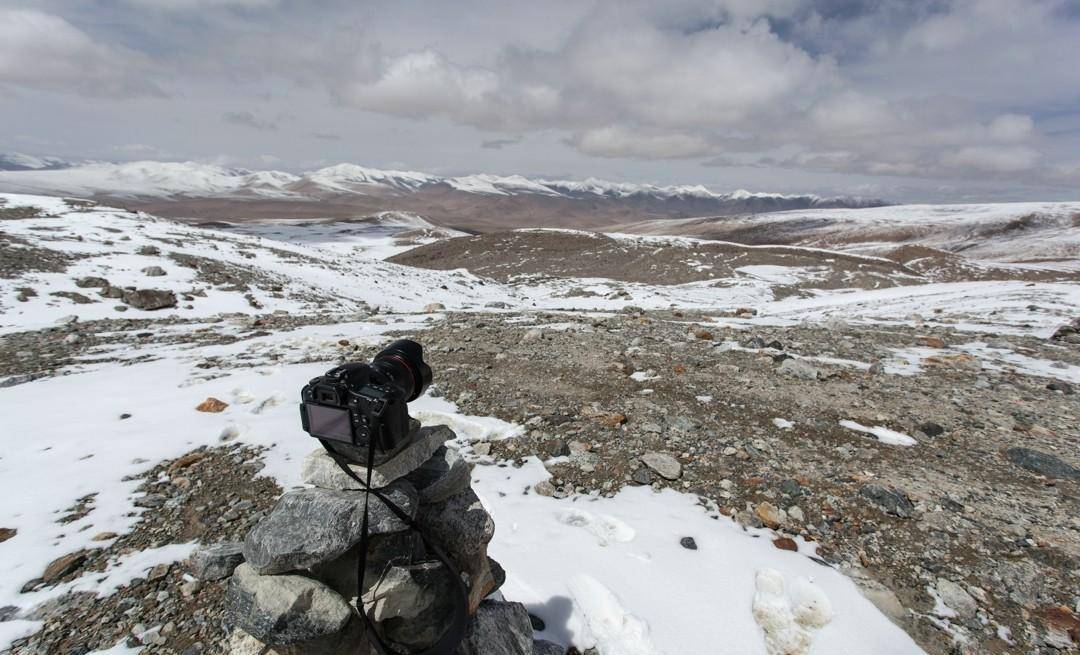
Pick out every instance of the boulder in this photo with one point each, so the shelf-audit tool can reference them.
(798, 368)
(1042, 463)
(443, 475)
(891, 501)
(413, 604)
(320, 470)
(314, 526)
(462, 527)
(217, 561)
(154, 271)
(498, 628)
(150, 299)
(62, 566)
(663, 464)
(284, 609)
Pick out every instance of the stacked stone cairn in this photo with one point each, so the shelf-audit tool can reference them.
(294, 592)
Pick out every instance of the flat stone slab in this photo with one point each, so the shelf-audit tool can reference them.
(314, 526)
(320, 470)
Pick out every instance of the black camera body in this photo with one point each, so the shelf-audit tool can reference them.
(360, 411)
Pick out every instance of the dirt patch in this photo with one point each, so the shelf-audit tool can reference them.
(506, 256)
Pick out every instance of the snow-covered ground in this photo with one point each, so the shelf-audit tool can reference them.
(604, 572)
(602, 576)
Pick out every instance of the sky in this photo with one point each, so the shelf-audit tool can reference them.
(936, 100)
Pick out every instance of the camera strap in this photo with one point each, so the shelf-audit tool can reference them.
(448, 642)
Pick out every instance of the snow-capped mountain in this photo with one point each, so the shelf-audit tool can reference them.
(19, 162)
(479, 202)
(191, 179)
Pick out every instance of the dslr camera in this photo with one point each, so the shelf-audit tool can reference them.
(357, 408)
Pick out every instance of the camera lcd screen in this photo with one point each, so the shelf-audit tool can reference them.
(329, 422)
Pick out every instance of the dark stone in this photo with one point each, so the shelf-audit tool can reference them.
(148, 250)
(931, 429)
(312, 526)
(641, 476)
(688, 543)
(1068, 332)
(498, 628)
(775, 345)
(777, 359)
(554, 448)
(1042, 463)
(537, 622)
(217, 561)
(892, 501)
(790, 487)
(74, 297)
(8, 612)
(7, 533)
(150, 299)
(1063, 387)
(31, 585)
(111, 292)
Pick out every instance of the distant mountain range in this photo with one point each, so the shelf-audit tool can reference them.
(481, 201)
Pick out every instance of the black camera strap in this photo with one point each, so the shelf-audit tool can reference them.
(448, 642)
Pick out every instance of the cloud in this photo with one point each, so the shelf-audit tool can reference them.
(248, 119)
(698, 80)
(498, 144)
(41, 51)
(190, 5)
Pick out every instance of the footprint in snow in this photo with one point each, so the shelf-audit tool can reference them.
(787, 617)
(611, 627)
(268, 403)
(606, 529)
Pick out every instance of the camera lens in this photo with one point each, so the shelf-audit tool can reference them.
(403, 363)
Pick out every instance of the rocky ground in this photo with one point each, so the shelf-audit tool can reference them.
(968, 539)
(962, 518)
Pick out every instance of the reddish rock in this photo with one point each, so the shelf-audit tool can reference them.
(62, 566)
(786, 543)
(7, 533)
(212, 405)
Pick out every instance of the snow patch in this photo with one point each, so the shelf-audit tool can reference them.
(883, 434)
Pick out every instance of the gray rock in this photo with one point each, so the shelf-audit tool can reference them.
(217, 561)
(957, 598)
(154, 271)
(545, 647)
(931, 429)
(799, 368)
(150, 299)
(641, 476)
(462, 528)
(312, 526)
(443, 475)
(91, 282)
(413, 604)
(891, 501)
(284, 609)
(1042, 463)
(320, 470)
(663, 464)
(384, 551)
(498, 628)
